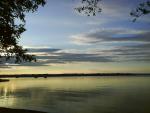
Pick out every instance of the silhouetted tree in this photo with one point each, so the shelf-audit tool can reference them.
(89, 7)
(142, 9)
(12, 21)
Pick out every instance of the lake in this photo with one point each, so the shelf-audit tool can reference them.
(78, 94)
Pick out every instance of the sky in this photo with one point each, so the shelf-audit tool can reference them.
(65, 41)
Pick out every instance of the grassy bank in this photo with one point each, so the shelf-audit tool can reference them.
(7, 110)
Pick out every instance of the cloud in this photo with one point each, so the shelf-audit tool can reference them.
(121, 53)
(111, 35)
(46, 57)
(123, 44)
(58, 56)
(131, 53)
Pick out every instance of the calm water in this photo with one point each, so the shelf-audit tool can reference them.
(78, 94)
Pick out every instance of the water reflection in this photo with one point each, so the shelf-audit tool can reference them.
(78, 95)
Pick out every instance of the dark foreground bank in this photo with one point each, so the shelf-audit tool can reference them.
(7, 110)
(4, 80)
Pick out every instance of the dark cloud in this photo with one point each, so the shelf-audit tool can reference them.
(74, 57)
(61, 58)
(56, 56)
(140, 52)
(43, 50)
(108, 36)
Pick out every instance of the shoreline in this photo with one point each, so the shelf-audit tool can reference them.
(9, 110)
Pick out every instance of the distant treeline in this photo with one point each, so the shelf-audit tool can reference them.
(72, 75)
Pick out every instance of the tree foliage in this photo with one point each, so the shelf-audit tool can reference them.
(12, 22)
(142, 9)
(89, 7)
